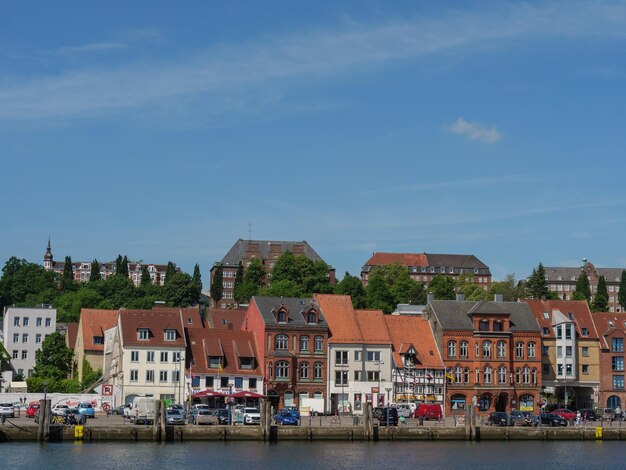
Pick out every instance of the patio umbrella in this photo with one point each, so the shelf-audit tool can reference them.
(208, 394)
(244, 394)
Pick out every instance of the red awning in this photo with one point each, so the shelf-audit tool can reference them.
(208, 394)
(244, 394)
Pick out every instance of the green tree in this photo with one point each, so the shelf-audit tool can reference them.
(442, 287)
(95, 271)
(197, 278)
(26, 284)
(254, 278)
(180, 291)
(169, 272)
(239, 276)
(352, 286)
(217, 285)
(90, 376)
(118, 264)
(54, 360)
(124, 270)
(583, 289)
(378, 295)
(283, 288)
(510, 290)
(601, 299)
(145, 277)
(471, 291)
(621, 297)
(67, 280)
(537, 286)
(286, 268)
(69, 304)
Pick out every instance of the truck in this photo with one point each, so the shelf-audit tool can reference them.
(142, 410)
(311, 406)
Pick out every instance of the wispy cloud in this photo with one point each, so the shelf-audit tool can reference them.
(123, 40)
(92, 47)
(475, 131)
(297, 59)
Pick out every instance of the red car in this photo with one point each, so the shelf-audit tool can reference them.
(565, 413)
(32, 409)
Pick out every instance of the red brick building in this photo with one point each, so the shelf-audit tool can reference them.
(424, 266)
(612, 330)
(491, 351)
(292, 338)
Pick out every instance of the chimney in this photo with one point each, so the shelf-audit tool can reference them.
(498, 298)
(460, 297)
(430, 297)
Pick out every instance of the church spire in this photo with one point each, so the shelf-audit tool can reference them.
(47, 259)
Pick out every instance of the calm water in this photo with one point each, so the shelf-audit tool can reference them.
(306, 455)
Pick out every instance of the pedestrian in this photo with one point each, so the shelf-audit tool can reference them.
(618, 413)
(578, 418)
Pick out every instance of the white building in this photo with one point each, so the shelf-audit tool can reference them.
(24, 330)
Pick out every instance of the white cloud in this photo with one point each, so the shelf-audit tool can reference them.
(475, 131)
(92, 47)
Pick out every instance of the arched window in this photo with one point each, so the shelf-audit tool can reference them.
(288, 397)
(477, 349)
(282, 370)
(319, 343)
(487, 374)
(451, 348)
(487, 349)
(317, 371)
(519, 350)
(613, 402)
(458, 374)
(304, 370)
(518, 376)
(304, 343)
(463, 347)
(281, 342)
(270, 370)
(466, 375)
(303, 395)
(312, 317)
(531, 349)
(485, 402)
(501, 349)
(501, 375)
(534, 376)
(282, 316)
(526, 375)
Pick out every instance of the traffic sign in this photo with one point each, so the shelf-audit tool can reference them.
(107, 389)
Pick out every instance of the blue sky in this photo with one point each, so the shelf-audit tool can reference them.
(160, 130)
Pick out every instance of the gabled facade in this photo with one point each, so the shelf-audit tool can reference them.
(292, 336)
(90, 338)
(491, 354)
(570, 351)
(423, 267)
(360, 360)
(611, 328)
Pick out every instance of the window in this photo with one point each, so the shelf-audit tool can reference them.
(142, 333)
(559, 351)
(531, 349)
(164, 356)
(518, 376)
(617, 345)
(134, 356)
(568, 351)
(25, 338)
(358, 375)
(559, 369)
(487, 349)
(318, 371)
(584, 331)
(311, 318)
(238, 382)
(38, 321)
(48, 321)
(545, 350)
(149, 376)
(483, 325)
(463, 347)
(487, 374)
(282, 370)
(176, 356)
(25, 321)
(176, 376)
(358, 356)
(568, 331)
(163, 376)
(170, 335)
(451, 348)
(466, 375)
(617, 363)
(458, 374)
(209, 382)
(24, 354)
(477, 349)
(341, 377)
(150, 356)
(546, 330)
(98, 340)
(134, 375)
(545, 368)
(501, 349)
(224, 382)
(373, 356)
(304, 370)
(568, 369)
(252, 383)
(373, 376)
(341, 358)
(498, 326)
(585, 369)
(618, 382)
(215, 362)
(559, 332)
(16, 337)
(15, 354)
(281, 342)
(526, 375)
(16, 321)
(502, 375)
(282, 317)
(304, 343)
(519, 350)
(319, 343)
(585, 351)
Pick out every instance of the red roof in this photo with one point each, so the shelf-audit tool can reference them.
(405, 259)
(157, 321)
(229, 344)
(580, 314)
(191, 315)
(408, 330)
(607, 323)
(342, 322)
(94, 323)
(226, 318)
(72, 333)
(373, 326)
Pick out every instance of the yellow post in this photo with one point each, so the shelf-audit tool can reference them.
(599, 433)
(78, 431)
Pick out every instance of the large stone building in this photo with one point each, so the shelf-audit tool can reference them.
(244, 251)
(491, 350)
(570, 354)
(562, 281)
(611, 328)
(291, 336)
(82, 269)
(424, 266)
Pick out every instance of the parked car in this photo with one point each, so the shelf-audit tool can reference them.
(32, 409)
(86, 410)
(174, 417)
(588, 414)
(551, 419)
(74, 416)
(7, 410)
(533, 419)
(406, 410)
(565, 413)
(181, 408)
(59, 409)
(386, 416)
(518, 418)
(143, 410)
(498, 418)
(118, 410)
(222, 415)
(286, 417)
(251, 416)
(191, 417)
(294, 410)
(427, 412)
(205, 417)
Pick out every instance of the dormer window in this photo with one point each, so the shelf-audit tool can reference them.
(282, 316)
(143, 333)
(98, 340)
(483, 325)
(170, 335)
(311, 317)
(215, 362)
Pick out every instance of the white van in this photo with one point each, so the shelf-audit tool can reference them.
(142, 410)
(406, 410)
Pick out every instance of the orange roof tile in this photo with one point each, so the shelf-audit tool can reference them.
(231, 344)
(157, 321)
(373, 326)
(72, 333)
(405, 259)
(579, 309)
(225, 317)
(406, 330)
(606, 323)
(94, 323)
(342, 322)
